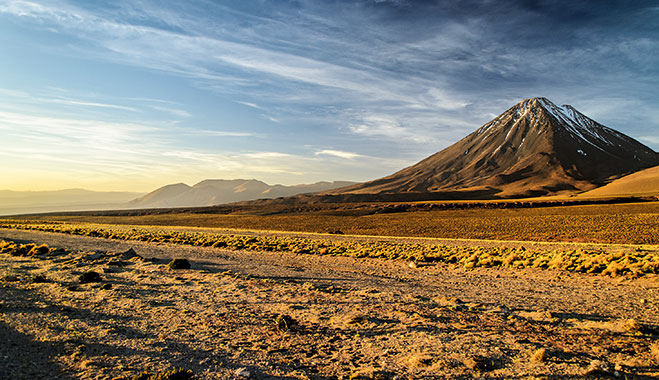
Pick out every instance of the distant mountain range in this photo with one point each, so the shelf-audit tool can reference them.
(206, 193)
(218, 191)
(23, 202)
(535, 148)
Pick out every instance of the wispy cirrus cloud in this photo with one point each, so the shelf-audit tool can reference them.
(88, 104)
(338, 153)
(362, 77)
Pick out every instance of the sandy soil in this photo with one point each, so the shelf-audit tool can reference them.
(349, 318)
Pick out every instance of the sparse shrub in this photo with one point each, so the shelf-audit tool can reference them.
(179, 264)
(43, 249)
(478, 363)
(633, 326)
(539, 356)
(630, 264)
(175, 374)
(654, 350)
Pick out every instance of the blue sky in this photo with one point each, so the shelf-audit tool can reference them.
(133, 95)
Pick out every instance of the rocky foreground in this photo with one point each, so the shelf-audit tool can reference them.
(101, 308)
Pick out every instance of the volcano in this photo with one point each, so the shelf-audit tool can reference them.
(535, 148)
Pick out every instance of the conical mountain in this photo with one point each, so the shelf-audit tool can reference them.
(534, 148)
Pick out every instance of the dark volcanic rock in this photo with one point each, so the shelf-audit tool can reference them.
(179, 264)
(88, 277)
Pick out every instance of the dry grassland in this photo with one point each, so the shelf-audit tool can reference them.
(635, 223)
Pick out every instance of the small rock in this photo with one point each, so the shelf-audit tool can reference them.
(596, 367)
(94, 256)
(116, 263)
(412, 265)
(243, 372)
(129, 254)
(284, 322)
(179, 264)
(106, 287)
(88, 277)
(72, 288)
(39, 279)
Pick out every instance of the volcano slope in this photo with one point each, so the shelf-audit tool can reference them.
(535, 148)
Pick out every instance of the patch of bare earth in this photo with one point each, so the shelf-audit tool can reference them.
(239, 314)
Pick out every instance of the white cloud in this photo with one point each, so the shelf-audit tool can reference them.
(389, 127)
(338, 153)
(248, 104)
(267, 155)
(224, 133)
(172, 111)
(88, 104)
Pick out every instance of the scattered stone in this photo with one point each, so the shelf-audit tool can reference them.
(284, 322)
(357, 319)
(448, 301)
(243, 372)
(596, 367)
(129, 254)
(94, 256)
(116, 263)
(88, 277)
(179, 264)
(39, 279)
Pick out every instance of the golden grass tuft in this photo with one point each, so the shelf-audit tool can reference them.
(539, 356)
(629, 264)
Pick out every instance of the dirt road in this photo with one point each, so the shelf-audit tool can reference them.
(349, 317)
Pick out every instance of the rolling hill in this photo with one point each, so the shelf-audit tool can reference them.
(218, 191)
(644, 182)
(535, 148)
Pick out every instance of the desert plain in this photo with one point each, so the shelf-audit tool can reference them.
(398, 291)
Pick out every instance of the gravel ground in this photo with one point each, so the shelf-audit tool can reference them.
(240, 314)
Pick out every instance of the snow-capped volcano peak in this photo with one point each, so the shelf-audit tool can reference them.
(574, 122)
(535, 147)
